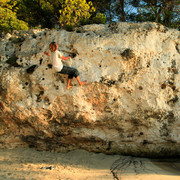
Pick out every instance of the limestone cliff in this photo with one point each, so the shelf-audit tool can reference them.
(130, 104)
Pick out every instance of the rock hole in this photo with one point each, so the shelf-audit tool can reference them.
(109, 146)
(128, 54)
(31, 69)
(145, 142)
(73, 55)
(46, 101)
(12, 61)
(40, 61)
(41, 92)
(148, 64)
(163, 86)
(50, 66)
(34, 36)
(31, 146)
(141, 133)
(173, 88)
(78, 31)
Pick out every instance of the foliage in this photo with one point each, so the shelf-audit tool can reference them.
(21, 14)
(43, 13)
(114, 10)
(105, 7)
(165, 12)
(73, 11)
(9, 20)
(100, 18)
(9, 4)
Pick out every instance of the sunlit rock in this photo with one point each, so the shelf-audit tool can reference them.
(130, 104)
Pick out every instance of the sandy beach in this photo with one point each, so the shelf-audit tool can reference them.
(29, 164)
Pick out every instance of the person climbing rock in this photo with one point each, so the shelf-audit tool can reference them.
(56, 58)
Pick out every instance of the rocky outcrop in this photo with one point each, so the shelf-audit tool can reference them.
(130, 104)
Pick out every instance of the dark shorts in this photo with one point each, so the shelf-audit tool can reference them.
(71, 72)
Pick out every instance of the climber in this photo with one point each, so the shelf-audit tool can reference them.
(56, 57)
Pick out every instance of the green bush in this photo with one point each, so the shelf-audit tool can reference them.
(99, 19)
(9, 21)
(69, 28)
(85, 22)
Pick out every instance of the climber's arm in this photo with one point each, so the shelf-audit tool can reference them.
(45, 52)
(65, 58)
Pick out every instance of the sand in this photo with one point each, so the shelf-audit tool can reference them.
(29, 164)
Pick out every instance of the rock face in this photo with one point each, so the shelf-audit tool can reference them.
(130, 104)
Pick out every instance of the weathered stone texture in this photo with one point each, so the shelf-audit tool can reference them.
(130, 105)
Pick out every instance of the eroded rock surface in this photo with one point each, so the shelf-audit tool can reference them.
(130, 104)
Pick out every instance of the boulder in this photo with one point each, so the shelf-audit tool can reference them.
(130, 104)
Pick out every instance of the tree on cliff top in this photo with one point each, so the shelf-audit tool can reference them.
(54, 12)
(39, 13)
(73, 11)
(165, 12)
